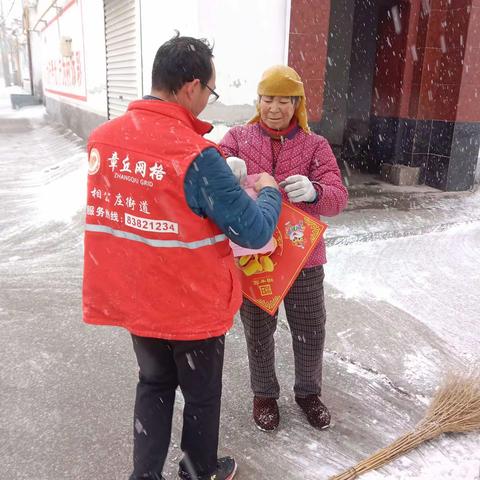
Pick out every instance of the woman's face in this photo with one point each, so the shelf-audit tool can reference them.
(276, 112)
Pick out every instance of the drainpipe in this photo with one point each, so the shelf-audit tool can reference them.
(26, 28)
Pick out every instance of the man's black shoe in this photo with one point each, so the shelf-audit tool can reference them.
(226, 469)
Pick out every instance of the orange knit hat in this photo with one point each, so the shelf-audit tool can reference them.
(283, 81)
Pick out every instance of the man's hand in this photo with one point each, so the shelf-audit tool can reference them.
(299, 189)
(265, 180)
(238, 167)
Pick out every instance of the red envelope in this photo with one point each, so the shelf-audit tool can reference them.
(266, 278)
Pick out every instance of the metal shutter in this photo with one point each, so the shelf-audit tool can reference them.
(122, 40)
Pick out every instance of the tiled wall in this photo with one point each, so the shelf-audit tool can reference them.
(442, 134)
(426, 98)
(390, 59)
(309, 26)
(444, 31)
(469, 99)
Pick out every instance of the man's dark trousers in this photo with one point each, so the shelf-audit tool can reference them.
(196, 366)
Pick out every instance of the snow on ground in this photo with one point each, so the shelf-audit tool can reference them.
(436, 464)
(439, 286)
(400, 312)
(218, 132)
(60, 198)
(431, 280)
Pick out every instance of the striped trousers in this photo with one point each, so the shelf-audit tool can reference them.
(305, 308)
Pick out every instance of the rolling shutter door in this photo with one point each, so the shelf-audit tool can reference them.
(123, 54)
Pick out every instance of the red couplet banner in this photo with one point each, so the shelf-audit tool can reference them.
(266, 277)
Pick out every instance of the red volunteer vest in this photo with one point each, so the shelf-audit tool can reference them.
(151, 265)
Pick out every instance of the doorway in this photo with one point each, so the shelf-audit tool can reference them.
(364, 76)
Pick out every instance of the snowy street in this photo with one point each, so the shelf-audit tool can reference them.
(403, 301)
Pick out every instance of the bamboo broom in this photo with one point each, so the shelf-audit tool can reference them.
(454, 408)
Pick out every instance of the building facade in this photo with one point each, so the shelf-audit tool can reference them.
(394, 81)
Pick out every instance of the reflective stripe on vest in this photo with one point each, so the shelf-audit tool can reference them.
(156, 243)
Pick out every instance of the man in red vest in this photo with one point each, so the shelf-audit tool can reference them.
(162, 205)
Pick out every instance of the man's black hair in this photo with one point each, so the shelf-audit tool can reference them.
(181, 60)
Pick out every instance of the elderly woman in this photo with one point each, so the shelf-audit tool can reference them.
(278, 141)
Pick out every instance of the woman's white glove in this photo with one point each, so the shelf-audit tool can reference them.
(238, 167)
(299, 189)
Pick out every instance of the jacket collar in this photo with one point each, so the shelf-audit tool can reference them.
(172, 110)
(289, 132)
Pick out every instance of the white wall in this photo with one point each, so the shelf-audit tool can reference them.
(159, 20)
(95, 56)
(249, 37)
(84, 23)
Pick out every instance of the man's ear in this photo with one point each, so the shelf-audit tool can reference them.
(191, 87)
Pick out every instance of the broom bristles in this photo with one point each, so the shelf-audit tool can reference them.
(454, 408)
(456, 405)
